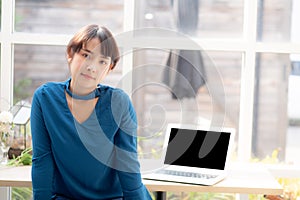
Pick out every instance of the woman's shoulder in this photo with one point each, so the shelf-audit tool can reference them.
(113, 91)
(49, 88)
(114, 96)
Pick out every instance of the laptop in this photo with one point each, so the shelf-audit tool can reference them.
(194, 155)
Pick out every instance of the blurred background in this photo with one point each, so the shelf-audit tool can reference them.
(245, 53)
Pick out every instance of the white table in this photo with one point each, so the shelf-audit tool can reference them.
(242, 178)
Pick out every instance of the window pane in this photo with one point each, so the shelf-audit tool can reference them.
(277, 111)
(274, 20)
(158, 102)
(67, 16)
(295, 16)
(293, 130)
(194, 17)
(37, 64)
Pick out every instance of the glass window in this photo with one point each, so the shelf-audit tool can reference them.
(194, 17)
(37, 64)
(295, 15)
(167, 91)
(293, 129)
(274, 20)
(67, 16)
(276, 114)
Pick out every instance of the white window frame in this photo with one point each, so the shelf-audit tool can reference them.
(247, 45)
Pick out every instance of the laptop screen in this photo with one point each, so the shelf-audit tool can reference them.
(197, 148)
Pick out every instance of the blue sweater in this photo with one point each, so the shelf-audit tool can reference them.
(96, 159)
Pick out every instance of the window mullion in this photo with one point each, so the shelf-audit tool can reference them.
(6, 70)
(247, 81)
(127, 48)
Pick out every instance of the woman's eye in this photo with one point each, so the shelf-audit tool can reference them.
(102, 62)
(85, 55)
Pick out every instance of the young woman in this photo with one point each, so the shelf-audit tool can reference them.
(84, 133)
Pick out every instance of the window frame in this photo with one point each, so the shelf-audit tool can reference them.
(247, 45)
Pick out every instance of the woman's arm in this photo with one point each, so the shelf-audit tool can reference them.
(126, 157)
(42, 161)
(128, 168)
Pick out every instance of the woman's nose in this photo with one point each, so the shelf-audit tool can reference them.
(91, 64)
(91, 67)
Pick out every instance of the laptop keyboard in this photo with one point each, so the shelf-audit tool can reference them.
(186, 174)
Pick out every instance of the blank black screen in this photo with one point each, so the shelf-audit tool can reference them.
(197, 148)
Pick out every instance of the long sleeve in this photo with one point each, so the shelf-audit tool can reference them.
(42, 161)
(126, 160)
(96, 159)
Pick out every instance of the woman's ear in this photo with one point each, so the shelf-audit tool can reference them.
(69, 56)
(69, 60)
(111, 66)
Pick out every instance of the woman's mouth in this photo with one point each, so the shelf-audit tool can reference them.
(87, 76)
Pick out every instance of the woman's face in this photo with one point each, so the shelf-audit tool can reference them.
(88, 67)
